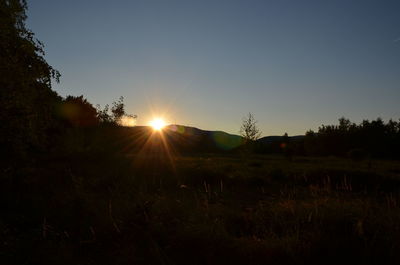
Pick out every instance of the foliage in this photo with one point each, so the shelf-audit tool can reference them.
(27, 101)
(249, 129)
(118, 110)
(376, 138)
(356, 141)
(79, 112)
(103, 114)
(117, 113)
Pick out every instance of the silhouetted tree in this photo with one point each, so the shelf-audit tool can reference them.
(249, 129)
(310, 143)
(118, 109)
(286, 148)
(26, 98)
(79, 112)
(375, 138)
(117, 112)
(103, 115)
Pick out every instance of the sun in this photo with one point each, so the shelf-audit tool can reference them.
(158, 124)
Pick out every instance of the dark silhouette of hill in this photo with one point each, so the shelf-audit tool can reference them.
(275, 138)
(186, 139)
(375, 138)
(178, 138)
(203, 139)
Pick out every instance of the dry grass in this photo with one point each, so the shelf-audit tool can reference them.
(207, 209)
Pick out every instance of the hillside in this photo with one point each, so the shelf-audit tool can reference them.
(274, 139)
(179, 138)
(182, 138)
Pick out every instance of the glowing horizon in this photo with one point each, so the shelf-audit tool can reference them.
(158, 124)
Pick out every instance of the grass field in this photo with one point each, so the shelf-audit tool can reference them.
(202, 209)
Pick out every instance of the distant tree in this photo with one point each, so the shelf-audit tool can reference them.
(118, 110)
(285, 138)
(369, 138)
(310, 143)
(286, 147)
(117, 114)
(344, 124)
(249, 129)
(102, 114)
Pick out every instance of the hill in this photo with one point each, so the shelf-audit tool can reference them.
(178, 138)
(188, 139)
(274, 139)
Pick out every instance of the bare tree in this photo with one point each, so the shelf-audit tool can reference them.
(249, 129)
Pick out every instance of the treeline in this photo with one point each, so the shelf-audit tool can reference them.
(369, 139)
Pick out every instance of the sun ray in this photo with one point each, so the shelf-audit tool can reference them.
(158, 124)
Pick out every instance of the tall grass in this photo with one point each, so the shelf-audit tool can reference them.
(209, 209)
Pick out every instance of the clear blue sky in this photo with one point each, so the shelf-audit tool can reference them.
(294, 64)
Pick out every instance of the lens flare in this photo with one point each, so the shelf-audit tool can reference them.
(157, 124)
(127, 121)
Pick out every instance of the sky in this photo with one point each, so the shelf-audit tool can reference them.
(293, 64)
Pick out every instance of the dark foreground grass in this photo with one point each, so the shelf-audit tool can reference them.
(209, 209)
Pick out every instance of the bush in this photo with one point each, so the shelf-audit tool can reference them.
(357, 154)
